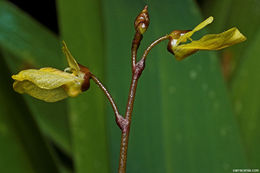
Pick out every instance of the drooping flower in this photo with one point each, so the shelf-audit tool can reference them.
(50, 84)
(178, 46)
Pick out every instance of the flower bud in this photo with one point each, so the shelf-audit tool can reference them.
(142, 21)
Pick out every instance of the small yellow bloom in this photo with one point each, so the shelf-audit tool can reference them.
(180, 49)
(50, 84)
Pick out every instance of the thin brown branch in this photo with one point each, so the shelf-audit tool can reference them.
(119, 119)
(146, 52)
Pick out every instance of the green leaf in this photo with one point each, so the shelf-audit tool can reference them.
(245, 95)
(182, 119)
(22, 147)
(28, 44)
(80, 24)
(244, 85)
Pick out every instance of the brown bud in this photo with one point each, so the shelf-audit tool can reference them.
(87, 75)
(142, 21)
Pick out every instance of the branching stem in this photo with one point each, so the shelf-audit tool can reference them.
(137, 69)
(141, 24)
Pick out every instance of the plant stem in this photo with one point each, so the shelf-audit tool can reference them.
(146, 52)
(135, 45)
(137, 69)
(119, 119)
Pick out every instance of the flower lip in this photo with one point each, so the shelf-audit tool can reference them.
(48, 84)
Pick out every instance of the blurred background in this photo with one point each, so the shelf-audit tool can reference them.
(199, 115)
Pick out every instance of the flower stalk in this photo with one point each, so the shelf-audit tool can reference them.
(141, 25)
(119, 119)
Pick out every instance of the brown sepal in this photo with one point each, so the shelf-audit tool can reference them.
(174, 35)
(87, 75)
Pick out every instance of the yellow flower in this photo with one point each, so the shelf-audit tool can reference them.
(50, 84)
(208, 42)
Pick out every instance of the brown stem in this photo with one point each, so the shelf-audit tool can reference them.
(137, 69)
(119, 119)
(146, 52)
(135, 45)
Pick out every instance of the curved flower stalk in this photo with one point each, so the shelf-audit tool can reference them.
(50, 84)
(178, 46)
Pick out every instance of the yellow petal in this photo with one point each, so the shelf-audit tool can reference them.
(217, 41)
(48, 95)
(210, 42)
(74, 67)
(203, 24)
(49, 80)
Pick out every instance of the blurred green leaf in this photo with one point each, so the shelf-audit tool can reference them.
(28, 44)
(31, 42)
(245, 94)
(22, 147)
(182, 119)
(211, 8)
(244, 85)
(80, 24)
